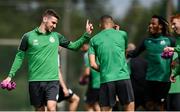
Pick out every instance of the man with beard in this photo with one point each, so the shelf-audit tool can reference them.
(40, 46)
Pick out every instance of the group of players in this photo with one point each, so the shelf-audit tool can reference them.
(154, 79)
(115, 74)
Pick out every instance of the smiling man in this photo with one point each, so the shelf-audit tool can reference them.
(40, 46)
(174, 92)
(159, 70)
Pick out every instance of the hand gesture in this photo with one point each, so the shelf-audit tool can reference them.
(89, 27)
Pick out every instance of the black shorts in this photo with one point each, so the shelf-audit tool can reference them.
(62, 96)
(139, 91)
(157, 91)
(173, 102)
(42, 91)
(92, 95)
(109, 91)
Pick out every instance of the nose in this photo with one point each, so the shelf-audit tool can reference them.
(54, 25)
(150, 25)
(173, 26)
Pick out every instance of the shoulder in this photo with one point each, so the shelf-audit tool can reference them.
(168, 38)
(29, 34)
(56, 33)
(122, 32)
(95, 37)
(172, 41)
(147, 40)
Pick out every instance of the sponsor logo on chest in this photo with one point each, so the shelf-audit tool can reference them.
(51, 39)
(35, 42)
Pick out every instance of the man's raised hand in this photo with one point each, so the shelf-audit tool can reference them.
(89, 27)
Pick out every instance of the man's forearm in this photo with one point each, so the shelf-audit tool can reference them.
(78, 43)
(17, 63)
(61, 80)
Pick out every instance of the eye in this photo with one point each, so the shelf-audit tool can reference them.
(54, 22)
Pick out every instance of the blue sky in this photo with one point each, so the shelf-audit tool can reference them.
(120, 6)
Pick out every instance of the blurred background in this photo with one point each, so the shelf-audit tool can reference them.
(20, 16)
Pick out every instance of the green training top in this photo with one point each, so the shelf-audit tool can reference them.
(177, 49)
(41, 50)
(158, 67)
(94, 75)
(109, 46)
(175, 87)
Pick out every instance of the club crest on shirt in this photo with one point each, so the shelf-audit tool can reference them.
(51, 39)
(149, 41)
(162, 42)
(35, 42)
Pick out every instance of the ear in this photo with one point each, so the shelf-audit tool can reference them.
(44, 19)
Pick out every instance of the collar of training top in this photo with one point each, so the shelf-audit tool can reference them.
(39, 32)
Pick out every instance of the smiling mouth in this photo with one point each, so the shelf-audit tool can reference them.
(51, 28)
(175, 28)
(151, 30)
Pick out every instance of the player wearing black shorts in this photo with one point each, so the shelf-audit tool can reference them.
(40, 47)
(173, 103)
(158, 70)
(109, 47)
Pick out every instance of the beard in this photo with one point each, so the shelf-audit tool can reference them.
(49, 29)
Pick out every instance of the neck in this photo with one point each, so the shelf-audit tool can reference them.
(109, 27)
(156, 35)
(42, 28)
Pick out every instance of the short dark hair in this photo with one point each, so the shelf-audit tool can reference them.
(105, 17)
(164, 23)
(50, 12)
